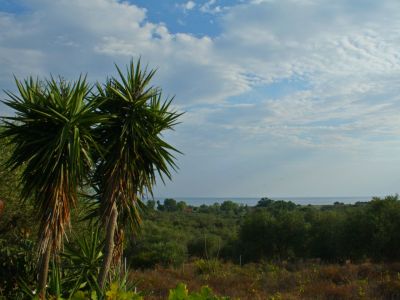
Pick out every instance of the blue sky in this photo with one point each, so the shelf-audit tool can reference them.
(282, 97)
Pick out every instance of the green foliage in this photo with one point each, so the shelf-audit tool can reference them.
(52, 142)
(170, 237)
(226, 208)
(276, 231)
(81, 295)
(276, 206)
(333, 233)
(59, 127)
(229, 206)
(208, 266)
(17, 263)
(157, 246)
(265, 235)
(135, 152)
(181, 293)
(16, 217)
(207, 246)
(326, 232)
(170, 205)
(51, 138)
(17, 232)
(116, 293)
(82, 260)
(181, 205)
(151, 205)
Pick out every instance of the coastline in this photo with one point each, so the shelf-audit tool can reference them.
(252, 201)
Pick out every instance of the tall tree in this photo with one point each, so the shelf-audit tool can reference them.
(135, 152)
(51, 134)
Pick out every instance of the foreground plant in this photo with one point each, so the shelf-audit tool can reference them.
(82, 262)
(182, 293)
(135, 153)
(52, 137)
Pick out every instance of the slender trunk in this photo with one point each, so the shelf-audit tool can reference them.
(118, 248)
(43, 272)
(108, 247)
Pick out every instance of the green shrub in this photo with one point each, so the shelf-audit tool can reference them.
(17, 265)
(206, 246)
(207, 266)
(157, 246)
(182, 293)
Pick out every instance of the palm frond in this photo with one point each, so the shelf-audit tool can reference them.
(135, 152)
(52, 137)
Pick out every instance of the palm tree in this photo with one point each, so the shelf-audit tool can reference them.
(135, 152)
(52, 137)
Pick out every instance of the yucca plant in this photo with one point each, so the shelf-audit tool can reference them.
(51, 134)
(83, 261)
(134, 150)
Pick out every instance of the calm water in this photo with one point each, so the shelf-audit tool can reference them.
(197, 201)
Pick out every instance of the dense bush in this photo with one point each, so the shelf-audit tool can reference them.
(170, 236)
(207, 246)
(264, 235)
(334, 233)
(272, 230)
(156, 245)
(17, 263)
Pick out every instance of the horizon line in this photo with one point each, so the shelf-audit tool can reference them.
(270, 197)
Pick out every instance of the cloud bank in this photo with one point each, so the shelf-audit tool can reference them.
(288, 88)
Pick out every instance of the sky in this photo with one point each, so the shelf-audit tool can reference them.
(281, 97)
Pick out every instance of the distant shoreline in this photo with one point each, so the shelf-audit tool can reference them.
(251, 201)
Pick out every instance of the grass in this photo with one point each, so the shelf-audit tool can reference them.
(302, 280)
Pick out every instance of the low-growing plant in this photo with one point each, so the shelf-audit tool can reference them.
(82, 262)
(116, 292)
(208, 266)
(17, 267)
(182, 293)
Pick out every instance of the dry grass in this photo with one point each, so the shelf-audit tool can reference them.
(273, 281)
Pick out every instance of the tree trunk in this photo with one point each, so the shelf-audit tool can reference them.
(43, 272)
(108, 247)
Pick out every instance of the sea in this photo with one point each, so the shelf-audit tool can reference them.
(251, 201)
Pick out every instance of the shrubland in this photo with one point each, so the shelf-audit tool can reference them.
(76, 156)
(272, 231)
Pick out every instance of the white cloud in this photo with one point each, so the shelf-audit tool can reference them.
(348, 57)
(345, 51)
(88, 36)
(189, 5)
(186, 6)
(211, 7)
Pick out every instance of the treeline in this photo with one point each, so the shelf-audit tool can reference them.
(334, 233)
(175, 232)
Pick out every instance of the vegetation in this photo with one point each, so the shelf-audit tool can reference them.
(51, 138)
(65, 139)
(270, 281)
(134, 152)
(272, 231)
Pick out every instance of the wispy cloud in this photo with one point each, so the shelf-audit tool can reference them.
(305, 76)
(187, 6)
